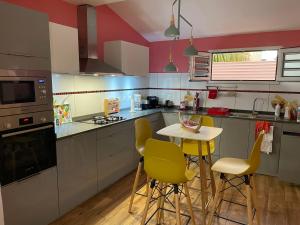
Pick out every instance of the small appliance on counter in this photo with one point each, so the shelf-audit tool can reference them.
(145, 104)
(137, 98)
(153, 102)
(111, 106)
(169, 104)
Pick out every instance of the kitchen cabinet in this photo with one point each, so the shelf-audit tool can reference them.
(115, 153)
(157, 122)
(24, 33)
(268, 162)
(289, 167)
(77, 169)
(64, 49)
(33, 201)
(130, 58)
(234, 138)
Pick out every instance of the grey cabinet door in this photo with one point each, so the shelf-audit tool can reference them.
(24, 32)
(115, 153)
(33, 201)
(289, 166)
(268, 162)
(234, 138)
(157, 122)
(77, 169)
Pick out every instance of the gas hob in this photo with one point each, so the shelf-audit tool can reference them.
(104, 120)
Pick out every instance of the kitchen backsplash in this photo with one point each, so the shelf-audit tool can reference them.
(239, 96)
(85, 94)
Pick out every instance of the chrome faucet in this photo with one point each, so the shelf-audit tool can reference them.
(254, 103)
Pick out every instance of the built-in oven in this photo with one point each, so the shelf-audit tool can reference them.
(26, 151)
(24, 91)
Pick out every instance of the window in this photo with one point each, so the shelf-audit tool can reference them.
(252, 65)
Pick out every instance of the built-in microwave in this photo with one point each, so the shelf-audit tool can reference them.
(24, 91)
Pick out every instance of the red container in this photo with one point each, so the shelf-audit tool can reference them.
(219, 111)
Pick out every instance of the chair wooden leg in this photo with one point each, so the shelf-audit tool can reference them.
(188, 197)
(147, 186)
(161, 216)
(160, 186)
(211, 173)
(220, 184)
(144, 217)
(178, 220)
(249, 203)
(203, 180)
(221, 196)
(254, 198)
(135, 184)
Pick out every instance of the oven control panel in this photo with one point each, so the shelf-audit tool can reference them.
(23, 120)
(42, 89)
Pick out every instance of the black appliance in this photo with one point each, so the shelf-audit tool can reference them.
(153, 102)
(26, 151)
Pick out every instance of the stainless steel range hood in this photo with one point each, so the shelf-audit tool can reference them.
(87, 36)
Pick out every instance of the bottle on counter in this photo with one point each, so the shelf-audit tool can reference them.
(298, 114)
(277, 111)
(287, 113)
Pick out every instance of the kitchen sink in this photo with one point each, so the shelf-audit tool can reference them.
(250, 115)
(241, 115)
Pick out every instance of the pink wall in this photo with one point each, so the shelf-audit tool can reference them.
(58, 11)
(112, 27)
(159, 50)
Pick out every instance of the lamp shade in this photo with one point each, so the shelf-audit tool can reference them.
(170, 67)
(190, 51)
(172, 30)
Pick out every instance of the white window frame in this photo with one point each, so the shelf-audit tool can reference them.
(281, 78)
(279, 63)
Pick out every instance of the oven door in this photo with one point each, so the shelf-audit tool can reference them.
(26, 151)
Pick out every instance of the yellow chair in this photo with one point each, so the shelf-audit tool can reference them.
(165, 164)
(241, 169)
(143, 132)
(190, 147)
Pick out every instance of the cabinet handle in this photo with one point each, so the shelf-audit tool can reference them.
(295, 134)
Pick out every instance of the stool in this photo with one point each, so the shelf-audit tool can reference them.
(241, 169)
(190, 147)
(165, 164)
(143, 132)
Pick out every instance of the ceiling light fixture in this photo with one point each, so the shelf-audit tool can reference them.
(174, 32)
(170, 67)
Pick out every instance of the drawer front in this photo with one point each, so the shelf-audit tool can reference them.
(114, 167)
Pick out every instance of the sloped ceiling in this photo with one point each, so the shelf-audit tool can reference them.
(210, 17)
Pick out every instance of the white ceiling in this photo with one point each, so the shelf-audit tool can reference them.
(92, 2)
(210, 17)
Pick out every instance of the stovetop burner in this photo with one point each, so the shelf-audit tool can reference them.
(103, 120)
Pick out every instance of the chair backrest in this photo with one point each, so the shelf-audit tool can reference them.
(207, 121)
(254, 159)
(143, 132)
(164, 161)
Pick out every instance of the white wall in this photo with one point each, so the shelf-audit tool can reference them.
(242, 100)
(90, 103)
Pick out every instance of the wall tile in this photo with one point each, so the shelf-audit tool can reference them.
(88, 83)
(153, 80)
(62, 83)
(86, 104)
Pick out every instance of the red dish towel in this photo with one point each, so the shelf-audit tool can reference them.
(262, 126)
